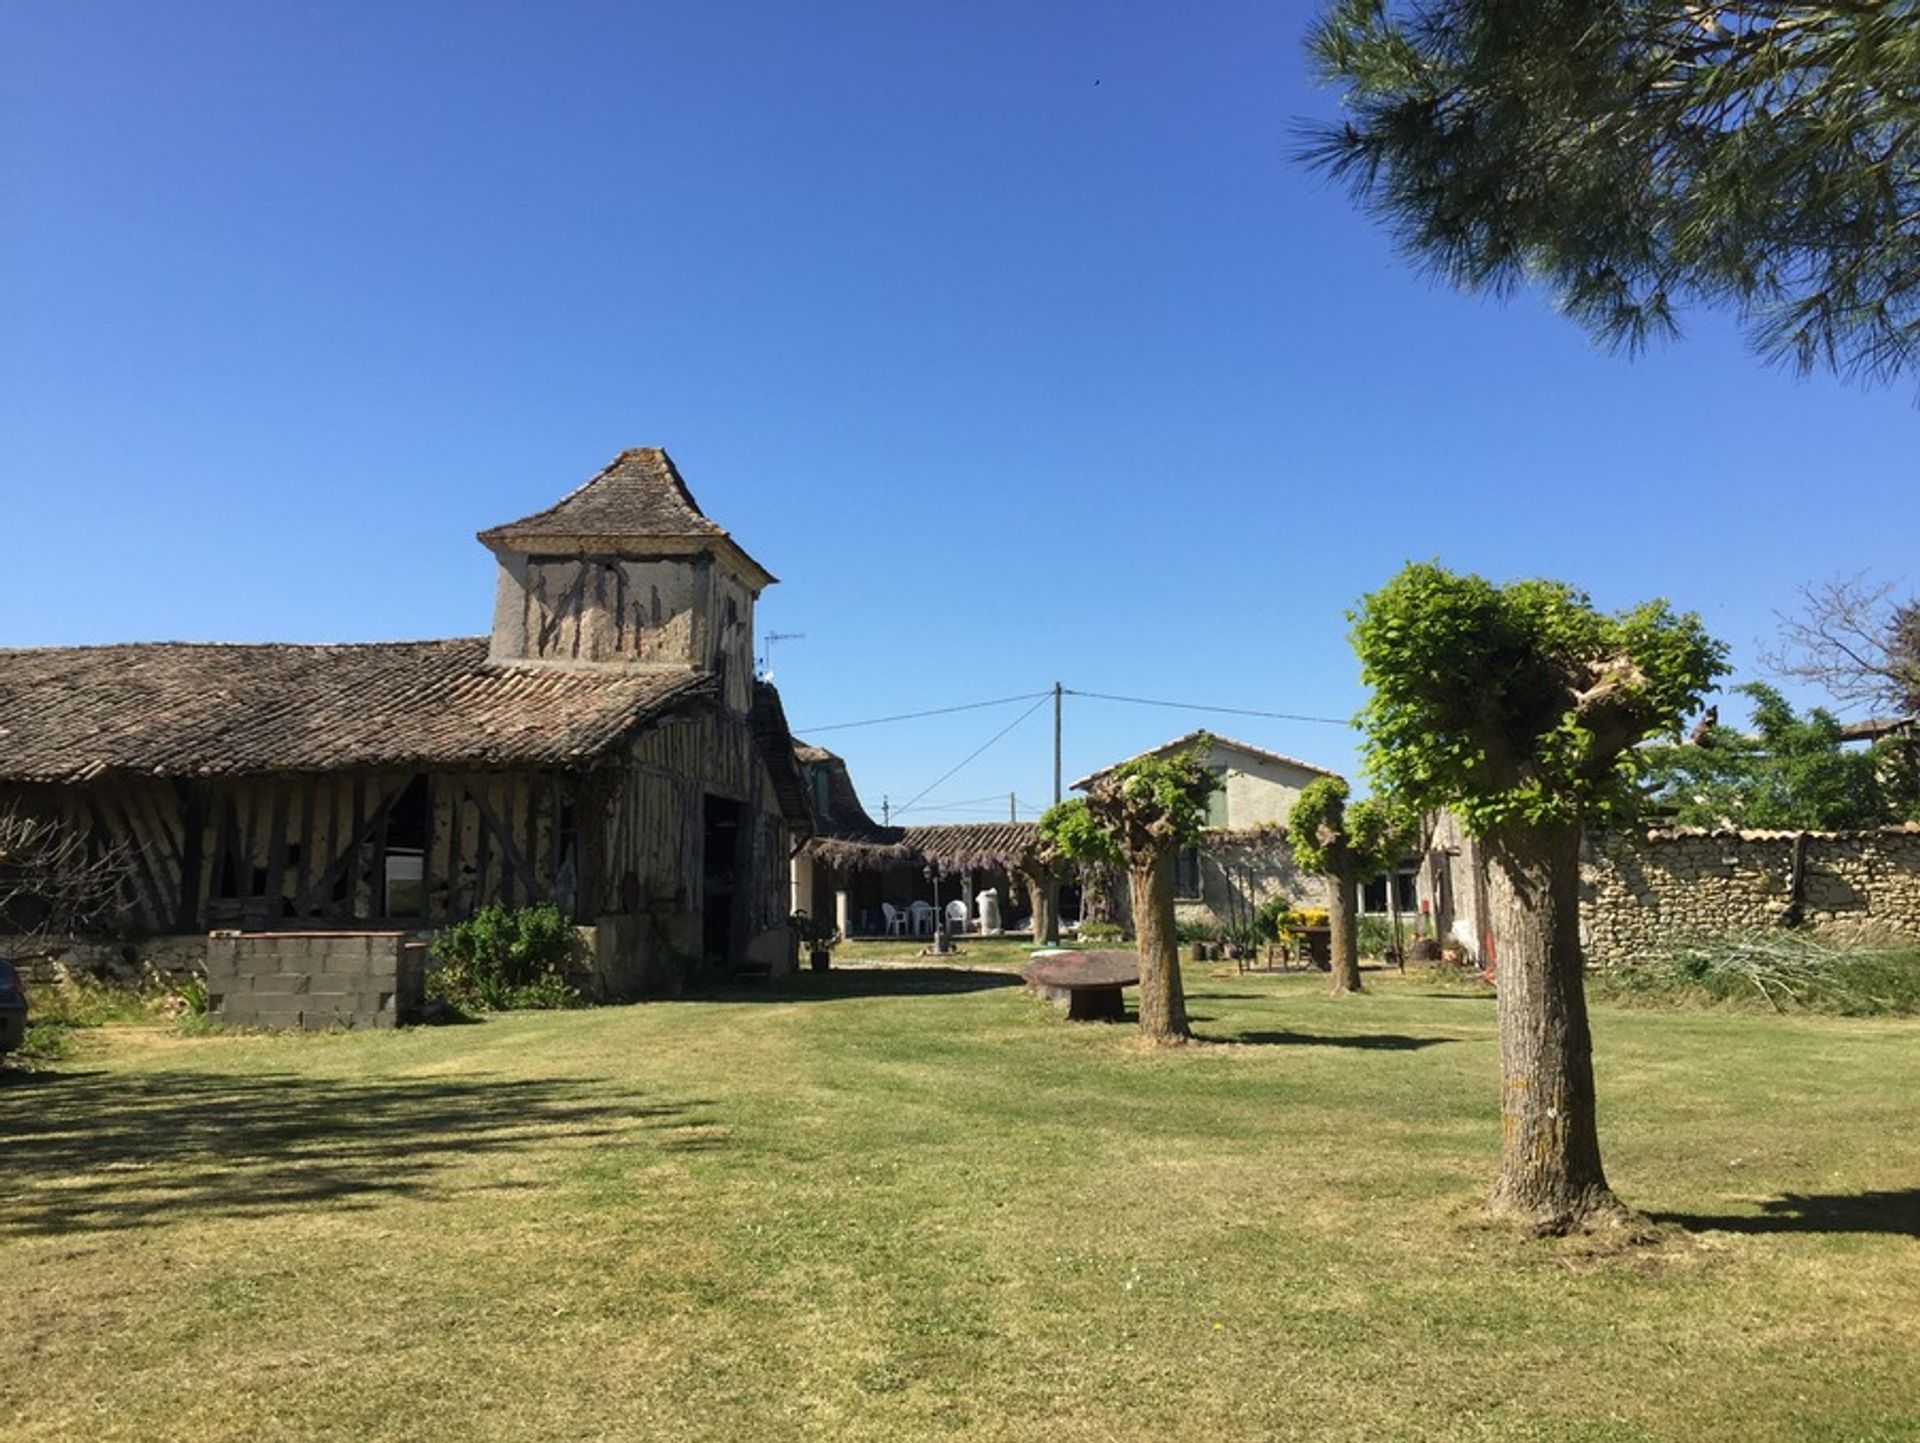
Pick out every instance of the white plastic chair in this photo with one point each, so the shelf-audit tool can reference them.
(896, 920)
(956, 917)
(922, 918)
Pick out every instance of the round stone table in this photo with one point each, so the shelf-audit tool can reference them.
(1089, 981)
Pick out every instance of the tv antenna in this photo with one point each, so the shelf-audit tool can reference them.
(766, 649)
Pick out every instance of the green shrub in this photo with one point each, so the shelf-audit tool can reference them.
(1273, 917)
(1100, 932)
(503, 959)
(1375, 936)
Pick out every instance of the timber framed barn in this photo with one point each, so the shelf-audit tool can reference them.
(607, 749)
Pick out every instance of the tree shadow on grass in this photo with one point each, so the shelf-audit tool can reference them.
(100, 1151)
(1364, 1041)
(841, 983)
(1896, 1211)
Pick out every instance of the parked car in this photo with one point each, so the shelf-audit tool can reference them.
(13, 1008)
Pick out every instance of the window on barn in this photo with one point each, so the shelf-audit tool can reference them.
(406, 851)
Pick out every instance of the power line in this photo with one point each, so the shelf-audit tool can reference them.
(916, 715)
(1044, 698)
(1197, 706)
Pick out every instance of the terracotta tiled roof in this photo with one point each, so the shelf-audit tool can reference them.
(776, 747)
(640, 496)
(972, 846)
(640, 493)
(179, 709)
(1182, 742)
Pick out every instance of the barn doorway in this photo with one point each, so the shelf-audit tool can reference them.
(719, 853)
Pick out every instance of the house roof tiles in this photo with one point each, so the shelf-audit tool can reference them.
(639, 496)
(187, 709)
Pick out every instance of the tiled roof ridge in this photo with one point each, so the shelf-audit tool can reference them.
(1190, 737)
(635, 467)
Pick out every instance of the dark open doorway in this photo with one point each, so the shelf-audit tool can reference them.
(719, 854)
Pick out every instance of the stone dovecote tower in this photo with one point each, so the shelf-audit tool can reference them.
(627, 572)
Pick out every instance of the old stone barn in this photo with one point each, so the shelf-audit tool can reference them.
(607, 749)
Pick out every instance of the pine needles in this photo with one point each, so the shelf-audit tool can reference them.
(1785, 971)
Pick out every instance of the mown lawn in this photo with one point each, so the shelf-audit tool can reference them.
(897, 1204)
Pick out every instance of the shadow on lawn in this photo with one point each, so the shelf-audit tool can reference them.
(1896, 1211)
(97, 1150)
(1364, 1041)
(844, 982)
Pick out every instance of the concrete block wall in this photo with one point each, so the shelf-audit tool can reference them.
(315, 979)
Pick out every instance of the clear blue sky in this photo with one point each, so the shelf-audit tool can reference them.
(1007, 335)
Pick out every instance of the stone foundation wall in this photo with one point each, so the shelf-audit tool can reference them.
(168, 960)
(1642, 890)
(315, 979)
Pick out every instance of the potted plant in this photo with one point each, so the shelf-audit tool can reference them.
(819, 938)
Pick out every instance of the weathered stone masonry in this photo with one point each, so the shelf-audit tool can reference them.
(1640, 890)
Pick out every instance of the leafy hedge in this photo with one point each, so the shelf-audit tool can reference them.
(503, 959)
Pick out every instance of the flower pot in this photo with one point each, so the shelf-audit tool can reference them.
(820, 959)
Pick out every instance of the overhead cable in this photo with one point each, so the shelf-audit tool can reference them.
(1197, 706)
(916, 715)
(1044, 696)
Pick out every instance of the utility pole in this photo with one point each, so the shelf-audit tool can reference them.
(1056, 743)
(886, 812)
(1013, 812)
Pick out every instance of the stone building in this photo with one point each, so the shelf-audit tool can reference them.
(606, 748)
(1243, 859)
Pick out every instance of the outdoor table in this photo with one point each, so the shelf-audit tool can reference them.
(1090, 982)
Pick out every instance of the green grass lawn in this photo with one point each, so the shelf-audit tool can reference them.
(892, 1204)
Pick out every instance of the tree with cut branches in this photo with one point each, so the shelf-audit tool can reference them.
(1143, 812)
(1634, 156)
(54, 881)
(1347, 844)
(1858, 640)
(1519, 708)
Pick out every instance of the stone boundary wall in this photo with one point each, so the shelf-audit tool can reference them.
(315, 979)
(1641, 890)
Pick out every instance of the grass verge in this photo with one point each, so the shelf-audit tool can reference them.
(911, 1202)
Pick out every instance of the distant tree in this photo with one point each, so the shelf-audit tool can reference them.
(1518, 707)
(1347, 844)
(1145, 811)
(1634, 155)
(1789, 772)
(1858, 640)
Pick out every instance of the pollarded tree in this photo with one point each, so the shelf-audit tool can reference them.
(1633, 155)
(1518, 707)
(1146, 810)
(1347, 845)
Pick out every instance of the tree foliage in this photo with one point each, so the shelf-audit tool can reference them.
(1637, 155)
(1155, 803)
(1518, 702)
(1070, 832)
(1790, 772)
(1325, 830)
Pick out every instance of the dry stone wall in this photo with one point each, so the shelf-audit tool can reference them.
(1641, 890)
(315, 979)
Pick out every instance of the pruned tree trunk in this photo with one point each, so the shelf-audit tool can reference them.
(1043, 891)
(1343, 940)
(1550, 1172)
(1163, 1002)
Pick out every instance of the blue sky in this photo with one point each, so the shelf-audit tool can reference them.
(1007, 335)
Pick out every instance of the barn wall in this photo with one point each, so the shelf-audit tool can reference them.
(652, 832)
